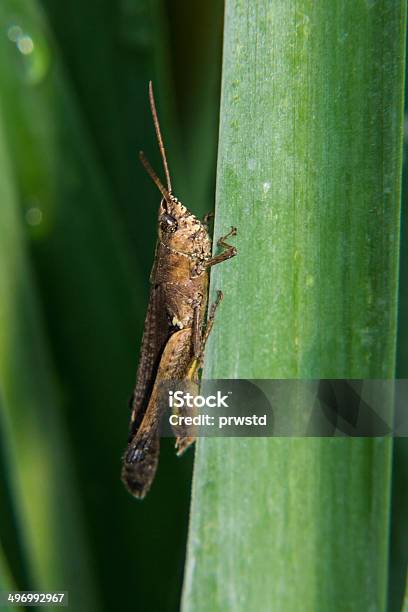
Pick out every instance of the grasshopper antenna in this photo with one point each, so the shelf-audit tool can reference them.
(155, 178)
(159, 139)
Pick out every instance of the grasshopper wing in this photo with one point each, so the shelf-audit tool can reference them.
(142, 454)
(156, 334)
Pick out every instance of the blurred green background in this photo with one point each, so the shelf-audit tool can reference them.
(77, 233)
(78, 225)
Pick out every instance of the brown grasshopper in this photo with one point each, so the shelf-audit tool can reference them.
(175, 332)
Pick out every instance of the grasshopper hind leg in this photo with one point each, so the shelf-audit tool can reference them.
(186, 437)
(186, 434)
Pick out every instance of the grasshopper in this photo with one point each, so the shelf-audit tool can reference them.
(175, 331)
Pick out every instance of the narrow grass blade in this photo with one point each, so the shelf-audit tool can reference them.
(6, 581)
(39, 462)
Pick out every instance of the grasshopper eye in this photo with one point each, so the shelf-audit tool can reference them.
(168, 223)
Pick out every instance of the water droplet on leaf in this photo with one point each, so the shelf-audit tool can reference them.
(33, 51)
(34, 216)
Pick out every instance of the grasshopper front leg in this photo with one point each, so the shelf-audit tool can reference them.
(228, 252)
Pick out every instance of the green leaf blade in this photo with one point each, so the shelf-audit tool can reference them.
(309, 171)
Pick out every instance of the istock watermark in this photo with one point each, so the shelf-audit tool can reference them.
(285, 408)
(180, 399)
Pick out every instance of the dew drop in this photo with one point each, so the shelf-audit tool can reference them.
(33, 52)
(25, 44)
(14, 32)
(34, 216)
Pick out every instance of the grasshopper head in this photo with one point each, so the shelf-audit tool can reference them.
(180, 230)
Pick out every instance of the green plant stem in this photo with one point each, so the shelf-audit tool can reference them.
(309, 171)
